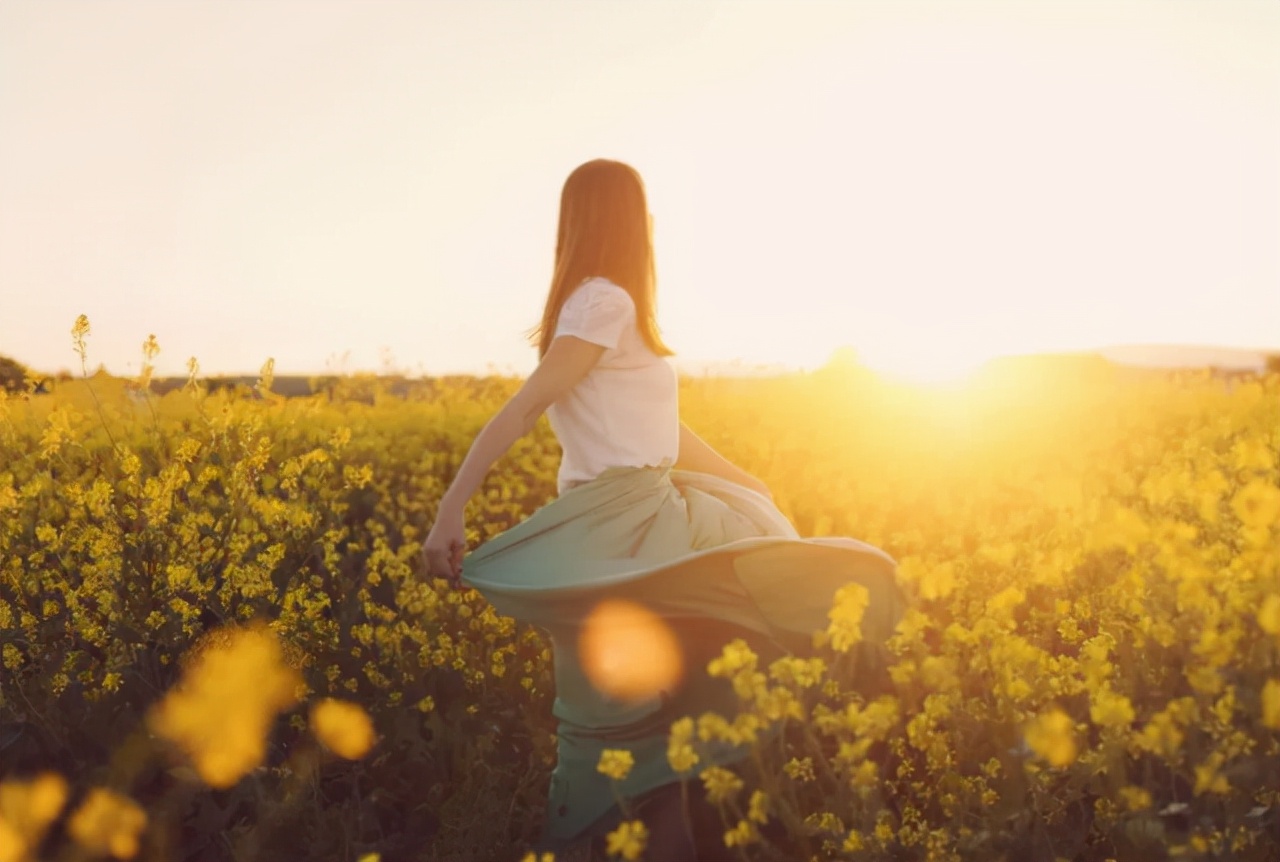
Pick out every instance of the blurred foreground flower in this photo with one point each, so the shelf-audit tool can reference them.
(221, 711)
(627, 840)
(344, 728)
(615, 763)
(1052, 736)
(1271, 704)
(108, 823)
(846, 614)
(26, 810)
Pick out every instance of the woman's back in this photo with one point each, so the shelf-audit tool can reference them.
(625, 412)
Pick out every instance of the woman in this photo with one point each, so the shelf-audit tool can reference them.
(649, 519)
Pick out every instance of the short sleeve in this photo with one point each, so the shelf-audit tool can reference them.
(597, 311)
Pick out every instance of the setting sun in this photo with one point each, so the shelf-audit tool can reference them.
(925, 365)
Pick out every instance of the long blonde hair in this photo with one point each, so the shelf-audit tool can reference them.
(604, 231)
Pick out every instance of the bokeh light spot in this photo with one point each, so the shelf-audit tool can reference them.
(628, 652)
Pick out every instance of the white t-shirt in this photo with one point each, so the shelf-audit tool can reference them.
(625, 412)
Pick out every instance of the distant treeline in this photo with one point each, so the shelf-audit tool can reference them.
(15, 377)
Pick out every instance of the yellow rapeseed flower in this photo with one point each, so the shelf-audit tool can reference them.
(1135, 798)
(866, 775)
(343, 727)
(799, 769)
(1208, 777)
(742, 834)
(615, 763)
(721, 784)
(845, 629)
(1257, 504)
(938, 581)
(1160, 735)
(734, 657)
(108, 823)
(221, 711)
(26, 810)
(1111, 709)
(1269, 615)
(1002, 603)
(680, 753)
(628, 840)
(1271, 704)
(1052, 736)
(13, 844)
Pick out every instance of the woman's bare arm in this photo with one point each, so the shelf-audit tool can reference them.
(698, 456)
(566, 362)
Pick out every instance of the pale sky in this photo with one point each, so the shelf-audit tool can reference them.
(342, 184)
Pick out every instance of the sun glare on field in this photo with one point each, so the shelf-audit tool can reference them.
(935, 367)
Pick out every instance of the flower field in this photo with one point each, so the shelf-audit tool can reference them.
(217, 643)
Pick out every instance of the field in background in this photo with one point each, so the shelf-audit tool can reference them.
(1089, 670)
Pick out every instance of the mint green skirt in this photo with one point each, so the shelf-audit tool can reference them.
(704, 555)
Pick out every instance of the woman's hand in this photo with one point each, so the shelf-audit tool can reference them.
(442, 551)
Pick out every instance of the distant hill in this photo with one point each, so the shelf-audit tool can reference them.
(1185, 356)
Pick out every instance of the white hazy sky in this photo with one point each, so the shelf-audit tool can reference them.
(926, 182)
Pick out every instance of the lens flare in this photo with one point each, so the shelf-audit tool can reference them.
(628, 652)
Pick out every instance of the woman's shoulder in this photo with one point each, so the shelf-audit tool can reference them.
(600, 290)
(599, 311)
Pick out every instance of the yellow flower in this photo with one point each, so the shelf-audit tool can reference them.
(627, 840)
(108, 823)
(845, 629)
(853, 841)
(1209, 779)
(721, 784)
(221, 711)
(1252, 454)
(799, 770)
(1111, 709)
(734, 657)
(1257, 504)
(1160, 735)
(1269, 614)
(26, 810)
(1271, 704)
(1002, 603)
(615, 763)
(758, 807)
(1135, 798)
(938, 582)
(866, 774)
(800, 672)
(79, 332)
(680, 753)
(1052, 736)
(742, 834)
(344, 728)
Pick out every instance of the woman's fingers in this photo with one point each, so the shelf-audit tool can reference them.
(438, 563)
(446, 564)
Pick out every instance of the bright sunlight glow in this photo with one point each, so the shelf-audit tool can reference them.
(925, 365)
